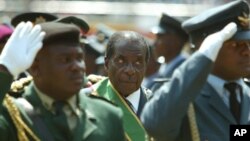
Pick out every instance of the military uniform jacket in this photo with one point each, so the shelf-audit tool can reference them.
(170, 103)
(168, 71)
(100, 121)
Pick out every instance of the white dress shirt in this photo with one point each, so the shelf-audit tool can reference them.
(134, 99)
(218, 84)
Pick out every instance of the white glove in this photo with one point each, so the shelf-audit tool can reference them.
(212, 44)
(20, 50)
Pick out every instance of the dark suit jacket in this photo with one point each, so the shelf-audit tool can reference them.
(100, 121)
(165, 115)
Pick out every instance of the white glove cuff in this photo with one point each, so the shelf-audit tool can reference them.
(11, 69)
(210, 52)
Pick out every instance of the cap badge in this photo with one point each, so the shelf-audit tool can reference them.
(39, 19)
(244, 21)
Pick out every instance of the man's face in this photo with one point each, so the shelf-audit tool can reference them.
(61, 70)
(233, 61)
(126, 68)
(167, 45)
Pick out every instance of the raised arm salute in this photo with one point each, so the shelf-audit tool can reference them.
(52, 108)
(222, 57)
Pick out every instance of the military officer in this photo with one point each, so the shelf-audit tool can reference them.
(52, 107)
(206, 94)
(169, 42)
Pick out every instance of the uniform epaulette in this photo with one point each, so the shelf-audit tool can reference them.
(101, 98)
(17, 87)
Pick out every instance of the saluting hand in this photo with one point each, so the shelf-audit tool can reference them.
(213, 43)
(20, 50)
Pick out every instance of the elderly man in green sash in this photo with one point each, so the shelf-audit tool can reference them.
(126, 60)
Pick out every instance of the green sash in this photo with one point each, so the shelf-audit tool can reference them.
(133, 126)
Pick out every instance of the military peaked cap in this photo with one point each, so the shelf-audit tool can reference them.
(83, 25)
(34, 17)
(216, 18)
(169, 24)
(98, 42)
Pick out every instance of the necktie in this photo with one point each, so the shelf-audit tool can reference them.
(130, 105)
(234, 103)
(60, 120)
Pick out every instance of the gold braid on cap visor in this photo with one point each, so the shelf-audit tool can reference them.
(244, 21)
(39, 20)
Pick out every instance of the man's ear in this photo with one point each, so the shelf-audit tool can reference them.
(34, 69)
(106, 63)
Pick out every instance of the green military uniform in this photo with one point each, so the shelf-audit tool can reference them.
(99, 120)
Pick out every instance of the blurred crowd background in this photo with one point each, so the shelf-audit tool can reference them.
(140, 15)
(107, 16)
